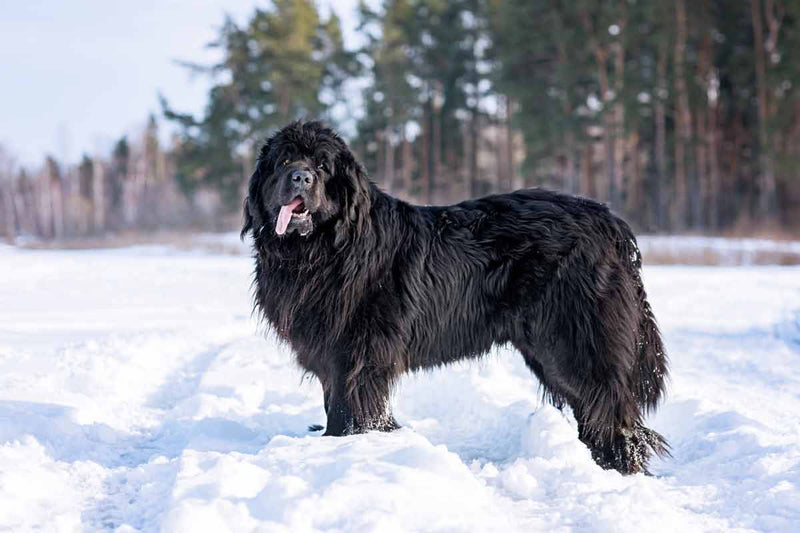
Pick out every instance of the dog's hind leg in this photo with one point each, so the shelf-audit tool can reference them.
(583, 339)
(608, 416)
(551, 391)
(610, 424)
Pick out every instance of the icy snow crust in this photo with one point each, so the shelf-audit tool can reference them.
(137, 393)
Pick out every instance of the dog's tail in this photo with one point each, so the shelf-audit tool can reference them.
(650, 371)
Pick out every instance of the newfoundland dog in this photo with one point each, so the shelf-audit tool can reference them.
(365, 287)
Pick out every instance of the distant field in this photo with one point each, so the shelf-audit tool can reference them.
(677, 250)
(656, 249)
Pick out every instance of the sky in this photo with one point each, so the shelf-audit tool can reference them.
(76, 76)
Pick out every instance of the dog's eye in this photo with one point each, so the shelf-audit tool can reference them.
(321, 167)
(285, 162)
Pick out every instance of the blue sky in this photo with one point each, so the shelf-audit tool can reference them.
(76, 75)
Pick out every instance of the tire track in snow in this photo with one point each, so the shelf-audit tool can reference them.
(137, 491)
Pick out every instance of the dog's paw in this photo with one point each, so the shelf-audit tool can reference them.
(630, 450)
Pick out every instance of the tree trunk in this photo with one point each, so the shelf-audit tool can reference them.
(684, 119)
(473, 154)
(57, 197)
(25, 206)
(425, 156)
(714, 189)
(98, 197)
(44, 206)
(608, 136)
(464, 176)
(449, 171)
(436, 151)
(700, 204)
(617, 186)
(380, 157)
(588, 184)
(388, 172)
(7, 196)
(617, 183)
(501, 149)
(660, 116)
(767, 186)
(633, 196)
(499, 158)
(405, 162)
(601, 56)
(73, 205)
(569, 179)
(508, 182)
(704, 147)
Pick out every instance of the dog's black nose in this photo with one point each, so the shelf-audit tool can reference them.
(302, 178)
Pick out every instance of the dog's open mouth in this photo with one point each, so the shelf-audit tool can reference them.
(294, 215)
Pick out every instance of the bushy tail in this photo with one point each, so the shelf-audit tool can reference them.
(650, 373)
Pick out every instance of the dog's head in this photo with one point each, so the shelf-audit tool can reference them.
(306, 180)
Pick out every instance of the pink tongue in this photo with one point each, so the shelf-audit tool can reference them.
(285, 216)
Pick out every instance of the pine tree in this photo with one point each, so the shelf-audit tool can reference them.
(390, 100)
(284, 64)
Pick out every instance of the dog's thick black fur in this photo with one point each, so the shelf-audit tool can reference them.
(365, 287)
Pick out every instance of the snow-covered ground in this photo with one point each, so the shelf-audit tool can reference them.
(138, 393)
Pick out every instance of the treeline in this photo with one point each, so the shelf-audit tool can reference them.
(129, 189)
(684, 116)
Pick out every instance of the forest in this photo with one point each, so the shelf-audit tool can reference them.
(683, 116)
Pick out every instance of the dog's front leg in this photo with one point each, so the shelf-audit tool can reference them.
(338, 407)
(359, 402)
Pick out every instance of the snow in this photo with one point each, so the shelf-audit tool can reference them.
(138, 393)
(718, 251)
(719, 243)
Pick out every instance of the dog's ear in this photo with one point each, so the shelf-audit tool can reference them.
(253, 220)
(252, 208)
(249, 220)
(353, 187)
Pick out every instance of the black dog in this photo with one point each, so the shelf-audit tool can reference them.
(365, 287)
